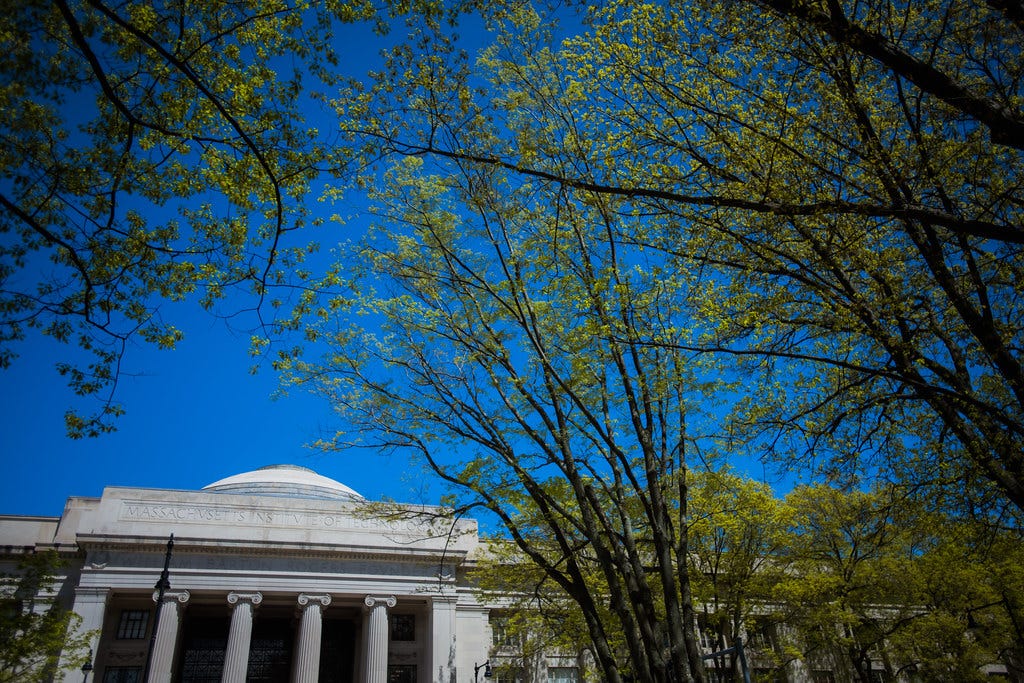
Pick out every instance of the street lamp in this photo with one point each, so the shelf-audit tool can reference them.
(162, 585)
(87, 667)
(486, 666)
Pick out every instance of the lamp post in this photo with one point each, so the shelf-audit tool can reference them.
(486, 666)
(87, 667)
(162, 584)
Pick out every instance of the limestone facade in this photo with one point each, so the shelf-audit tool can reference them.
(275, 575)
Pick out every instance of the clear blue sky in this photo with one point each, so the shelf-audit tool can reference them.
(195, 415)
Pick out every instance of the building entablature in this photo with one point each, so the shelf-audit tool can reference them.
(97, 545)
(268, 521)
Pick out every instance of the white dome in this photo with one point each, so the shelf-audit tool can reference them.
(286, 481)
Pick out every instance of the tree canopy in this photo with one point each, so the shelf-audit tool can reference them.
(504, 356)
(843, 180)
(821, 579)
(611, 249)
(623, 241)
(151, 152)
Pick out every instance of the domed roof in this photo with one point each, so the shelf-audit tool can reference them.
(286, 481)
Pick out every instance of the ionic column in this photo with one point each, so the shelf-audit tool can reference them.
(236, 657)
(166, 641)
(376, 652)
(307, 656)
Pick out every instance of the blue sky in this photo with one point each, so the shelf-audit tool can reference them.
(195, 414)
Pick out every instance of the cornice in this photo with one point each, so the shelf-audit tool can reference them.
(65, 550)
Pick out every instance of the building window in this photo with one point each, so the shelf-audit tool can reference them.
(563, 674)
(822, 676)
(268, 659)
(10, 608)
(122, 674)
(760, 635)
(502, 634)
(403, 627)
(402, 673)
(133, 624)
(707, 633)
(507, 673)
(203, 657)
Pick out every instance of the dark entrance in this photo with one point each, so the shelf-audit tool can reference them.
(337, 651)
(270, 653)
(202, 651)
(205, 639)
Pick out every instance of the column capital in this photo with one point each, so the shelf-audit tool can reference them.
(235, 598)
(309, 599)
(170, 596)
(375, 600)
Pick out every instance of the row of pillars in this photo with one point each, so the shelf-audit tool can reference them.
(306, 668)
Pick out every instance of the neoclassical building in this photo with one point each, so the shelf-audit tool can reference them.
(279, 574)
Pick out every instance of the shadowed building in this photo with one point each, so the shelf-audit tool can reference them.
(279, 574)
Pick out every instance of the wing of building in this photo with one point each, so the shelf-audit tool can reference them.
(279, 574)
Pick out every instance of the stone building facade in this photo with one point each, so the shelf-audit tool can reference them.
(279, 574)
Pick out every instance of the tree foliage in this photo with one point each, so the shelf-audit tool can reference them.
(596, 230)
(35, 631)
(824, 579)
(532, 618)
(151, 152)
(739, 532)
(854, 580)
(506, 360)
(972, 592)
(844, 178)
(873, 578)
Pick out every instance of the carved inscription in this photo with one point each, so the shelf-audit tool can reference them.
(248, 563)
(201, 514)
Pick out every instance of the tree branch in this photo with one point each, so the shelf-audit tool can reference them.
(977, 228)
(1005, 126)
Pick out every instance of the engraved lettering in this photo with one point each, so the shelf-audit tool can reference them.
(209, 514)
